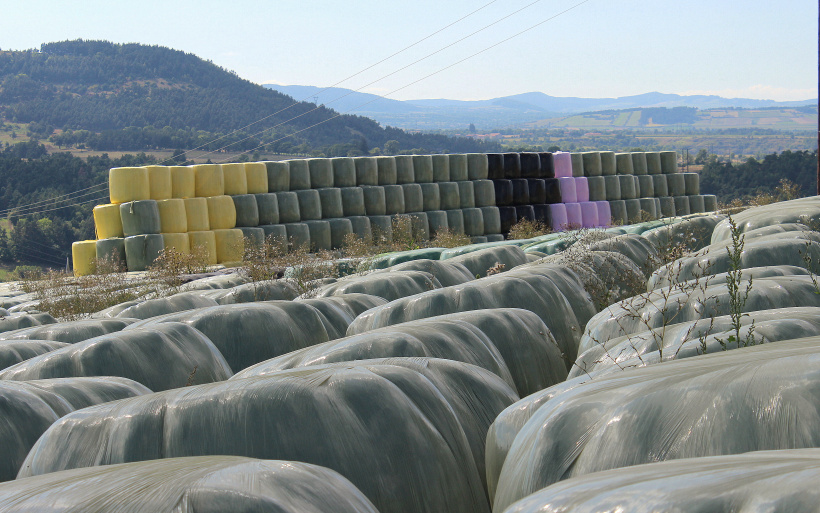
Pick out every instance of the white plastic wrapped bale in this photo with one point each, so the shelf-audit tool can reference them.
(140, 217)
(160, 357)
(362, 228)
(205, 484)
(69, 332)
(609, 165)
(382, 228)
(423, 168)
(321, 173)
(29, 408)
(330, 199)
(430, 409)
(320, 237)
(387, 172)
(344, 172)
(394, 199)
(288, 203)
(484, 193)
(278, 176)
(340, 229)
(142, 250)
(681, 205)
(404, 169)
(375, 202)
(577, 162)
(719, 417)
(459, 167)
(431, 196)
(437, 221)
(310, 204)
(449, 195)
(612, 187)
(477, 166)
(669, 162)
(298, 235)
(696, 204)
(491, 218)
(367, 171)
(592, 163)
(247, 211)
(386, 284)
(299, 175)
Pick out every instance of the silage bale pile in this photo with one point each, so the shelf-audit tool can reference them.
(220, 207)
(490, 377)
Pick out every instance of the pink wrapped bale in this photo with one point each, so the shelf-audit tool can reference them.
(568, 192)
(581, 189)
(589, 214)
(604, 214)
(562, 161)
(574, 217)
(558, 214)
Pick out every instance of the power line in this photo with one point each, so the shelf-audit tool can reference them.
(49, 200)
(30, 208)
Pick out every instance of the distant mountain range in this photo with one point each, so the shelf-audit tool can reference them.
(502, 112)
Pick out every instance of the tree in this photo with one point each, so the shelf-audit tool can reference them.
(391, 147)
(472, 128)
(702, 157)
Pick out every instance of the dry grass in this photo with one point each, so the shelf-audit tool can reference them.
(526, 229)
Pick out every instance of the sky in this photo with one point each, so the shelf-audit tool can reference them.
(760, 49)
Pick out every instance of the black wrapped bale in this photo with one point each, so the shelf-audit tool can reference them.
(288, 207)
(423, 168)
(508, 218)
(525, 212)
(413, 198)
(299, 175)
(530, 165)
(521, 191)
(597, 188)
(609, 165)
(484, 193)
(492, 220)
(503, 193)
(267, 206)
(592, 163)
(367, 171)
(339, 229)
(477, 166)
(455, 221)
(331, 200)
(362, 228)
(441, 168)
(450, 198)
(547, 165)
(404, 169)
(319, 234)
(495, 166)
(459, 168)
(142, 250)
(387, 171)
(431, 196)
(552, 190)
(352, 201)
(278, 176)
(374, 200)
(344, 172)
(437, 221)
(612, 186)
(473, 221)
(537, 191)
(382, 228)
(298, 235)
(466, 194)
(542, 214)
(247, 211)
(321, 173)
(512, 165)
(394, 199)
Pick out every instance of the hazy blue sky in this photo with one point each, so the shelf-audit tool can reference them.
(603, 48)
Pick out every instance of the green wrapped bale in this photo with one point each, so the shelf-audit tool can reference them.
(624, 164)
(247, 211)
(639, 163)
(466, 194)
(710, 203)
(288, 203)
(339, 229)
(676, 184)
(310, 205)
(597, 188)
(140, 217)
(321, 173)
(387, 171)
(492, 220)
(477, 166)
(449, 195)
(413, 197)
(577, 162)
(437, 221)
(646, 186)
(441, 168)
(374, 200)
(648, 206)
(367, 171)
(382, 228)
(618, 210)
(633, 210)
(352, 201)
(298, 235)
(612, 187)
(669, 162)
(667, 206)
(431, 196)
(473, 222)
(142, 250)
(455, 221)
(458, 167)
(495, 237)
(268, 207)
(423, 168)
(112, 250)
(653, 163)
(278, 176)
(681, 205)
(254, 236)
(420, 225)
(331, 202)
(660, 186)
(344, 172)
(691, 183)
(592, 163)
(484, 193)
(696, 204)
(206, 484)
(320, 238)
(404, 169)
(389, 285)
(361, 228)
(159, 357)
(629, 187)
(394, 199)
(299, 174)
(478, 240)
(609, 165)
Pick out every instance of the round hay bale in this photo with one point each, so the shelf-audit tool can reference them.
(592, 163)
(339, 229)
(310, 206)
(581, 189)
(196, 213)
(278, 176)
(553, 190)
(437, 221)
(537, 190)
(547, 165)
(431, 196)
(512, 165)
(344, 172)
(128, 184)
(639, 165)
(298, 235)
(613, 187)
(492, 220)
(423, 168)
(221, 212)
(268, 207)
(361, 228)
(449, 195)
(574, 218)
(382, 228)
(420, 225)
(508, 218)
(589, 214)
(394, 199)
(567, 187)
(83, 257)
(653, 163)
(466, 194)
(676, 184)
(525, 212)
(256, 176)
(710, 203)
(669, 162)
(520, 191)
(204, 243)
(646, 186)
(623, 164)
(172, 216)
(254, 236)
(321, 173)
(247, 212)
(696, 204)
(386, 170)
(558, 214)
(299, 174)
(495, 166)
(648, 206)
(597, 188)
(633, 210)
(288, 207)
(477, 166)
(139, 217)
(441, 168)
(331, 201)
(691, 183)
(681, 205)
(413, 199)
(319, 234)
(455, 221)
(159, 182)
(503, 190)
(275, 233)
(111, 250)
(404, 169)
(609, 165)
(628, 189)
(183, 184)
(604, 213)
(660, 186)
(374, 200)
(667, 206)
(530, 165)
(458, 167)
(484, 193)
(618, 210)
(236, 181)
(473, 221)
(230, 245)
(577, 161)
(107, 221)
(142, 250)
(352, 201)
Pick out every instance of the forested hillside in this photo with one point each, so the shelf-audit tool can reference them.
(109, 96)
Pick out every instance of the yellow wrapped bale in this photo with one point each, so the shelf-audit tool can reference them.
(221, 212)
(230, 245)
(159, 180)
(183, 182)
(84, 257)
(196, 212)
(209, 180)
(128, 184)
(203, 243)
(236, 181)
(179, 242)
(172, 216)
(107, 221)
(256, 177)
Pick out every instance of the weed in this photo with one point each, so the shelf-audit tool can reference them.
(447, 238)
(527, 229)
(738, 295)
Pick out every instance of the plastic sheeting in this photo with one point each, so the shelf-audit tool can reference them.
(206, 484)
(694, 233)
(387, 285)
(29, 408)
(69, 332)
(265, 290)
(429, 411)
(339, 311)
(479, 262)
(629, 418)
(15, 351)
(805, 211)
